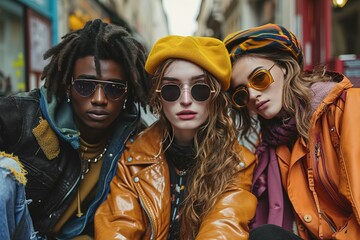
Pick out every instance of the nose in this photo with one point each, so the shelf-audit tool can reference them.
(185, 97)
(99, 97)
(253, 93)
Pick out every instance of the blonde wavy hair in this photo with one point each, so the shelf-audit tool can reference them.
(297, 95)
(214, 170)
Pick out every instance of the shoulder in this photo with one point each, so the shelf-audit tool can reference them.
(147, 143)
(247, 158)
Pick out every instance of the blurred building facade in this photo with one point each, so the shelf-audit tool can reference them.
(30, 27)
(329, 30)
(27, 29)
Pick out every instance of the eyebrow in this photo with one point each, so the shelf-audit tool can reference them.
(93, 77)
(197, 77)
(253, 71)
(86, 76)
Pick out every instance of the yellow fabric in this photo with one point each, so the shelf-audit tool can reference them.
(87, 184)
(47, 139)
(83, 237)
(206, 52)
(19, 175)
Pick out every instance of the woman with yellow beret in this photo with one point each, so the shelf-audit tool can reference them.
(308, 163)
(186, 176)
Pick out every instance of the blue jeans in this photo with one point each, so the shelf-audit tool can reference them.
(15, 220)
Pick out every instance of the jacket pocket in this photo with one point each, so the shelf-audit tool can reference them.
(350, 231)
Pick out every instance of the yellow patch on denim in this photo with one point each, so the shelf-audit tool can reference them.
(16, 167)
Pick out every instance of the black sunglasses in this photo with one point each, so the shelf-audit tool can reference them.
(259, 80)
(112, 90)
(171, 92)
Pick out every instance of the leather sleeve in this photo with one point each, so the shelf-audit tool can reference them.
(231, 215)
(120, 216)
(347, 119)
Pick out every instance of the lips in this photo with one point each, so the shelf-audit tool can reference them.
(186, 115)
(98, 115)
(261, 104)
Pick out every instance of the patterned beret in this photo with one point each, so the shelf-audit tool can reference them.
(265, 38)
(206, 52)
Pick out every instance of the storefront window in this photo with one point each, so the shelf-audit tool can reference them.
(12, 55)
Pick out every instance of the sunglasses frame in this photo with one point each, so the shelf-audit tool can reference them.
(180, 87)
(102, 83)
(250, 84)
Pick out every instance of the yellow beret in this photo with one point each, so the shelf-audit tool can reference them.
(206, 52)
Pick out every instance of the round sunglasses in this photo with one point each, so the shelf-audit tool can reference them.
(259, 80)
(112, 90)
(171, 92)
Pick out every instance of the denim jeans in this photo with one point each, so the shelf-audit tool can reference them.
(15, 220)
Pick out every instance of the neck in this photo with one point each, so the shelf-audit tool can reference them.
(184, 138)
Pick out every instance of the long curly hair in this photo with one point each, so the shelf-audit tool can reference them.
(297, 95)
(103, 41)
(214, 170)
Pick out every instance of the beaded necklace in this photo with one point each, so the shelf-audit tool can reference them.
(87, 152)
(85, 164)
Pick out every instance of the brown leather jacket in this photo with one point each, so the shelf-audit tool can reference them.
(138, 206)
(321, 176)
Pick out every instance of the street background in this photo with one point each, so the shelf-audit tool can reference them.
(329, 30)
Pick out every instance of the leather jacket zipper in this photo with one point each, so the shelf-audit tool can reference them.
(329, 188)
(150, 220)
(66, 195)
(107, 175)
(329, 222)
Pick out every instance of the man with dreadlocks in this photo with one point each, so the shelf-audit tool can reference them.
(68, 135)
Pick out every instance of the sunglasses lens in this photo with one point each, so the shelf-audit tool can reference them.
(240, 97)
(84, 88)
(114, 91)
(261, 80)
(170, 92)
(200, 92)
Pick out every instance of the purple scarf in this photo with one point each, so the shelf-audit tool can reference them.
(273, 204)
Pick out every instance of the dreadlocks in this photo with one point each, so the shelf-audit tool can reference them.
(103, 41)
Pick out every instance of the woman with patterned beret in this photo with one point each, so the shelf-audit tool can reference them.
(308, 163)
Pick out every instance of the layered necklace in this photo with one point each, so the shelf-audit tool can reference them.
(91, 153)
(181, 160)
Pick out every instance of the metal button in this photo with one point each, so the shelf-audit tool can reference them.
(110, 155)
(307, 218)
(242, 164)
(136, 179)
(129, 159)
(131, 140)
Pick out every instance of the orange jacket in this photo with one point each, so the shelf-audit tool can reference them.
(321, 176)
(138, 206)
